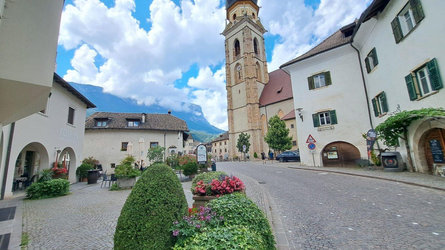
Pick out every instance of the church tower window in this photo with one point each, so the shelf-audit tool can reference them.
(255, 46)
(237, 48)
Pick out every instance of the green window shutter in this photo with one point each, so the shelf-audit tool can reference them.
(417, 9)
(411, 89)
(311, 83)
(327, 78)
(434, 74)
(396, 29)
(333, 117)
(368, 68)
(374, 105)
(316, 120)
(384, 102)
(374, 57)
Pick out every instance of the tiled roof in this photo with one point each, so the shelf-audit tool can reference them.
(73, 91)
(279, 88)
(152, 121)
(221, 137)
(290, 115)
(334, 41)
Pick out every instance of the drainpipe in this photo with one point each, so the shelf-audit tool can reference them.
(8, 156)
(364, 84)
(165, 147)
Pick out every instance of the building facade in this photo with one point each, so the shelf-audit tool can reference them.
(220, 147)
(190, 145)
(34, 143)
(110, 137)
(388, 61)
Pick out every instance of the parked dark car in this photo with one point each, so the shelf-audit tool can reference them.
(288, 156)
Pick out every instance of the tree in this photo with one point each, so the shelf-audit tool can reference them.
(243, 140)
(278, 135)
(396, 127)
(156, 154)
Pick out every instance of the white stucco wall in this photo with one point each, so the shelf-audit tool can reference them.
(105, 144)
(345, 95)
(28, 42)
(424, 43)
(49, 130)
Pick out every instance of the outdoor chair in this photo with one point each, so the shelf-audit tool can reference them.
(113, 178)
(31, 181)
(104, 180)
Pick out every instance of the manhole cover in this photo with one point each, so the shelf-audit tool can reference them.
(262, 182)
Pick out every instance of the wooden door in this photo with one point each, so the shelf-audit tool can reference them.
(434, 148)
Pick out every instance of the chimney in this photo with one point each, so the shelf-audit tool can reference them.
(169, 112)
(143, 118)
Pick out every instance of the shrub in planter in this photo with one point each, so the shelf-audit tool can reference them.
(223, 185)
(45, 175)
(82, 170)
(230, 237)
(186, 159)
(190, 168)
(126, 171)
(47, 189)
(156, 201)
(239, 210)
(207, 178)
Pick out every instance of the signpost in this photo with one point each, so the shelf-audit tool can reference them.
(201, 154)
(310, 139)
(311, 145)
(371, 137)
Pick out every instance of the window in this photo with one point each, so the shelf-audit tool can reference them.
(225, 143)
(234, 17)
(292, 126)
(225, 150)
(113, 165)
(133, 123)
(101, 122)
(237, 48)
(215, 150)
(324, 118)
(71, 116)
(124, 146)
(154, 144)
(319, 80)
(220, 151)
(255, 46)
(424, 80)
(294, 143)
(371, 60)
(380, 104)
(407, 19)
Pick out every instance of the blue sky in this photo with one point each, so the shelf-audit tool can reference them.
(170, 52)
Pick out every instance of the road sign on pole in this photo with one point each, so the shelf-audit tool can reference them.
(311, 146)
(310, 139)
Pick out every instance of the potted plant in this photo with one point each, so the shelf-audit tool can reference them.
(59, 172)
(126, 174)
(82, 171)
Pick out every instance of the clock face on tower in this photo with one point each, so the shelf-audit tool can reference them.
(238, 68)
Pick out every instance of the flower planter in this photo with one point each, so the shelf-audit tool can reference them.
(201, 201)
(126, 183)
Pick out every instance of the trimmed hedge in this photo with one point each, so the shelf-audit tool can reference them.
(82, 170)
(231, 237)
(190, 168)
(156, 201)
(239, 210)
(206, 178)
(48, 189)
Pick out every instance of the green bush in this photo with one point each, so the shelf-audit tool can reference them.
(156, 201)
(230, 237)
(47, 189)
(82, 170)
(239, 210)
(255, 155)
(45, 175)
(173, 161)
(126, 168)
(207, 178)
(115, 187)
(190, 168)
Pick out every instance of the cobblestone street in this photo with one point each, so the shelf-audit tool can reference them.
(321, 210)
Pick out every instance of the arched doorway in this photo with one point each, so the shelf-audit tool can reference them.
(67, 158)
(32, 159)
(340, 154)
(434, 148)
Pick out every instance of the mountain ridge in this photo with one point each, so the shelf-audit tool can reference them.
(198, 125)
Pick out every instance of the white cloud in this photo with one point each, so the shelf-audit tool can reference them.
(144, 65)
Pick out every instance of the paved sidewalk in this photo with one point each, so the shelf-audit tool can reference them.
(418, 179)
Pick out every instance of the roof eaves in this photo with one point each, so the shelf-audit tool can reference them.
(73, 91)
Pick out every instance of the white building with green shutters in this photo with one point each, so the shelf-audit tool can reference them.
(393, 60)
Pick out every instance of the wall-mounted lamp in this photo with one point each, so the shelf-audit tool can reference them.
(300, 114)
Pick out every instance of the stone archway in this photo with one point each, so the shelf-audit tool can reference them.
(421, 144)
(67, 158)
(32, 159)
(340, 154)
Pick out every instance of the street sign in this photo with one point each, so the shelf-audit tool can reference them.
(201, 154)
(311, 146)
(310, 139)
(371, 135)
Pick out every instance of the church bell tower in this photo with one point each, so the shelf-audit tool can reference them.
(246, 73)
